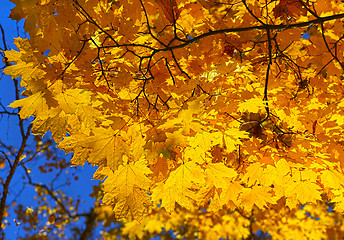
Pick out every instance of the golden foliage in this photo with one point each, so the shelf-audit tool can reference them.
(190, 105)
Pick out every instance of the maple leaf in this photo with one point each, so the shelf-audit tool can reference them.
(332, 179)
(133, 229)
(252, 105)
(33, 105)
(56, 123)
(186, 118)
(170, 9)
(134, 205)
(103, 144)
(22, 10)
(230, 195)
(177, 186)
(201, 144)
(304, 191)
(339, 201)
(154, 226)
(169, 196)
(70, 99)
(229, 49)
(233, 137)
(289, 8)
(126, 177)
(218, 173)
(254, 174)
(127, 188)
(256, 195)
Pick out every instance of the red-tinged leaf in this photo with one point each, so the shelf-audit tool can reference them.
(289, 8)
(170, 9)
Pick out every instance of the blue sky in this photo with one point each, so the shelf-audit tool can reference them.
(9, 134)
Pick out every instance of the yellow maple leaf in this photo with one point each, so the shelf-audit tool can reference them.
(177, 186)
(169, 196)
(215, 203)
(230, 195)
(28, 72)
(32, 105)
(332, 179)
(186, 174)
(105, 144)
(134, 205)
(256, 195)
(123, 180)
(252, 105)
(56, 123)
(305, 175)
(186, 119)
(305, 192)
(254, 174)
(338, 200)
(80, 156)
(233, 138)
(133, 229)
(127, 189)
(69, 99)
(27, 65)
(154, 226)
(200, 144)
(137, 140)
(218, 174)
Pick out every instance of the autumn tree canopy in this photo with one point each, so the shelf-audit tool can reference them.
(223, 116)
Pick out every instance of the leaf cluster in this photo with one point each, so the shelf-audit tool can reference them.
(191, 105)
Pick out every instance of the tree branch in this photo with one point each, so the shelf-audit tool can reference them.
(10, 175)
